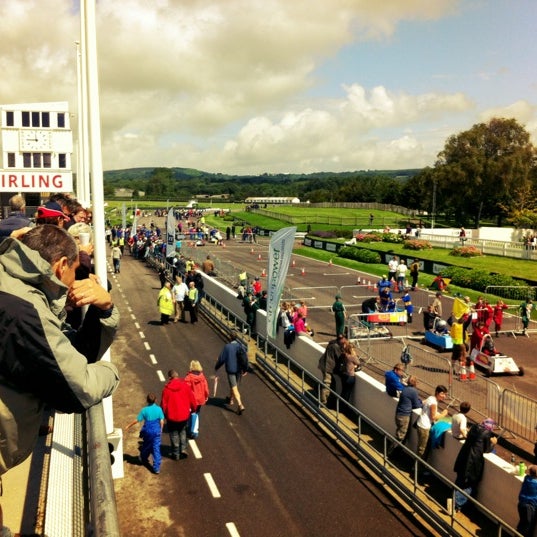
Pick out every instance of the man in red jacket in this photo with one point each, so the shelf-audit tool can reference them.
(178, 402)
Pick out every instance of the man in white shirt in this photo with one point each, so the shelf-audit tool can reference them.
(393, 263)
(179, 290)
(401, 275)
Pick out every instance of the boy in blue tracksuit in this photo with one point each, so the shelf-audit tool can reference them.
(153, 418)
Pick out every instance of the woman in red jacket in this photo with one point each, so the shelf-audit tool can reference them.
(198, 383)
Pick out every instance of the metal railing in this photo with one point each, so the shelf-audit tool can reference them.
(104, 520)
(518, 414)
(371, 444)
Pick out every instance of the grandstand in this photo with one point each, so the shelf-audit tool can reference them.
(271, 201)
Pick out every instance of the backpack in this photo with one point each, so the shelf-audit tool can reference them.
(242, 358)
(406, 357)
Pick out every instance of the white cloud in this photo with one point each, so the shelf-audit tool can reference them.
(223, 86)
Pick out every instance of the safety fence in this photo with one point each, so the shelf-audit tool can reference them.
(516, 250)
(518, 414)
(514, 296)
(370, 443)
(515, 413)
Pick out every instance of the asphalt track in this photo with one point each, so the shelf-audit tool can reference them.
(274, 472)
(269, 472)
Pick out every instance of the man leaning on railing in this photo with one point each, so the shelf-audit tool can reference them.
(43, 361)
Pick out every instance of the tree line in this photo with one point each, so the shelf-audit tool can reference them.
(487, 172)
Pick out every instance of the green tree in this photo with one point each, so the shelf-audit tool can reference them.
(480, 170)
(160, 183)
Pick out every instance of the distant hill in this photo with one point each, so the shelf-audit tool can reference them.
(182, 183)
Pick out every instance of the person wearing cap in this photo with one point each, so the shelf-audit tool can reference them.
(51, 213)
(340, 314)
(470, 463)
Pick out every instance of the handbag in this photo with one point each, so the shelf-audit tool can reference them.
(193, 425)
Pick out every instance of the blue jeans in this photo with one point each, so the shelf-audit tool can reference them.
(151, 434)
(177, 432)
(460, 499)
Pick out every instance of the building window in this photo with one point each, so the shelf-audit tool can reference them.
(47, 160)
(27, 160)
(36, 159)
(61, 120)
(25, 119)
(62, 160)
(11, 160)
(45, 119)
(10, 118)
(36, 119)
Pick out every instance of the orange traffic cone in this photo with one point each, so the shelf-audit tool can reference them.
(303, 273)
(251, 250)
(462, 373)
(293, 264)
(471, 371)
(264, 273)
(330, 262)
(259, 257)
(369, 286)
(359, 281)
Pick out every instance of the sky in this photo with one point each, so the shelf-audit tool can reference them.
(279, 86)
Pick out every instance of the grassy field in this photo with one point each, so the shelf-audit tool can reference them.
(514, 267)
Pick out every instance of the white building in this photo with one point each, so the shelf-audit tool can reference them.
(36, 146)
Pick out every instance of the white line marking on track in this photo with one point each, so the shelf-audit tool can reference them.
(195, 449)
(129, 309)
(137, 325)
(233, 531)
(153, 358)
(147, 346)
(133, 317)
(161, 376)
(142, 335)
(336, 273)
(212, 485)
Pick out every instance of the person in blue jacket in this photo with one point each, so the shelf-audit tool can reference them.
(527, 504)
(393, 380)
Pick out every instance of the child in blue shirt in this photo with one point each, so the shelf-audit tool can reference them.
(152, 417)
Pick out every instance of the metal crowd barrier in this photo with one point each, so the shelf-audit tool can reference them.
(370, 444)
(518, 414)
